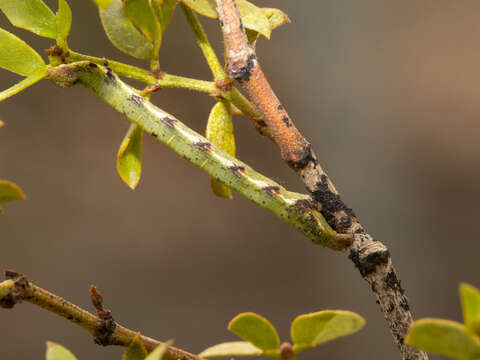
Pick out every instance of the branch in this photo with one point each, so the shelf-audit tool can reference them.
(295, 209)
(104, 329)
(371, 257)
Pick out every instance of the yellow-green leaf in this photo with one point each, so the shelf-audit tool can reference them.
(129, 157)
(220, 132)
(444, 337)
(58, 352)
(122, 32)
(310, 330)
(167, 8)
(16, 56)
(276, 18)
(159, 351)
(63, 20)
(255, 329)
(252, 16)
(32, 15)
(136, 350)
(470, 299)
(141, 13)
(103, 3)
(9, 192)
(27, 82)
(229, 349)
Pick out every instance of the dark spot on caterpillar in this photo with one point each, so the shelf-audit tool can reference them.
(204, 146)
(305, 204)
(137, 100)
(280, 107)
(169, 122)
(238, 169)
(390, 307)
(241, 26)
(243, 73)
(110, 75)
(155, 135)
(221, 23)
(287, 121)
(272, 190)
(261, 123)
(92, 64)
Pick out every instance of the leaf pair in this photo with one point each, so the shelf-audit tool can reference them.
(121, 18)
(15, 55)
(306, 331)
(136, 351)
(220, 132)
(450, 338)
(256, 20)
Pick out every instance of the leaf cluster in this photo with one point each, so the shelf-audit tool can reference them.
(306, 331)
(451, 338)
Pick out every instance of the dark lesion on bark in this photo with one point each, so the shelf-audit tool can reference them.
(242, 71)
(103, 331)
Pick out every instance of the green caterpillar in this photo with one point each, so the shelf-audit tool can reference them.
(295, 209)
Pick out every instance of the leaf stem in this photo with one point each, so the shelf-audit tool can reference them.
(205, 46)
(145, 76)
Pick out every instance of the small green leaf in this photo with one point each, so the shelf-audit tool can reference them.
(256, 330)
(16, 56)
(141, 13)
(220, 132)
(470, 299)
(103, 3)
(22, 85)
(58, 352)
(136, 350)
(234, 348)
(310, 330)
(276, 18)
(159, 351)
(10, 192)
(64, 21)
(252, 16)
(122, 32)
(129, 157)
(167, 8)
(444, 337)
(32, 15)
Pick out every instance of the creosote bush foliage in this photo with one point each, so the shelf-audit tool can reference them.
(137, 28)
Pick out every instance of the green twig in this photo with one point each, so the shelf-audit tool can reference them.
(145, 76)
(293, 208)
(205, 46)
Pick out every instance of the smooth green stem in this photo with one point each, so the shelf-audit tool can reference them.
(136, 73)
(205, 46)
(293, 208)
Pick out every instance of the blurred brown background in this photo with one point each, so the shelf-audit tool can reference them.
(387, 91)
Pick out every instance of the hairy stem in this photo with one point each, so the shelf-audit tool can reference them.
(293, 208)
(17, 288)
(205, 46)
(371, 257)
